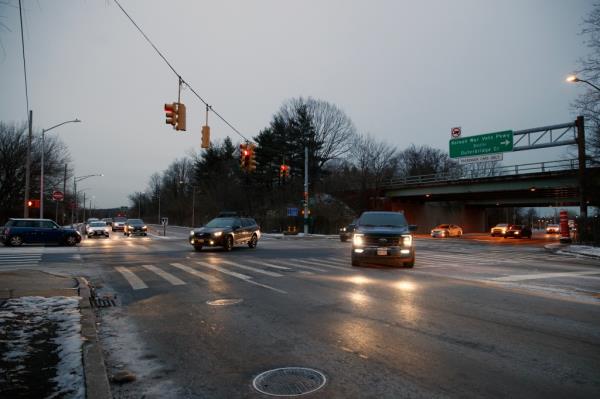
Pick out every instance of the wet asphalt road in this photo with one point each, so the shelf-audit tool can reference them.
(472, 319)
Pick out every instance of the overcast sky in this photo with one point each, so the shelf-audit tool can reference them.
(403, 71)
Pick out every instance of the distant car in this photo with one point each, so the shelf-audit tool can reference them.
(108, 221)
(518, 231)
(499, 229)
(135, 226)
(446, 230)
(17, 232)
(97, 229)
(383, 238)
(118, 223)
(346, 232)
(226, 232)
(553, 229)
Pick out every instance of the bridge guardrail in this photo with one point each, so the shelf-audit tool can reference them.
(466, 173)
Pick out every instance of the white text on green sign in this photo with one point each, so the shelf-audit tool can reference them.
(489, 143)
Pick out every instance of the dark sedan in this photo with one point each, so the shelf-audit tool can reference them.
(346, 232)
(383, 238)
(518, 231)
(226, 232)
(135, 226)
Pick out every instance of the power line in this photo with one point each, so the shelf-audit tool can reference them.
(175, 71)
(24, 64)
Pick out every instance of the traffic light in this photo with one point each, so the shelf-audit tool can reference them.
(244, 156)
(33, 203)
(252, 158)
(29, 203)
(171, 114)
(284, 171)
(180, 117)
(175, 114)
(205, 137)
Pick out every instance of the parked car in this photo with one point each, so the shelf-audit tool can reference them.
(347, 231)
(553, 229)
(135, 226)
(518, 231)
(499, 229)
(226, 232)
(446, 230)
(383, 238)
(118, 223)
(37, 231)
(97, 229)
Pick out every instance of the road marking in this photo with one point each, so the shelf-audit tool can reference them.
(243, 277)
(265, 272)
(133, 280)
(268, 264)
(9, 257)
(318, 262)
(524, 277)
(294, 265)
(207, 277)
(167, 276)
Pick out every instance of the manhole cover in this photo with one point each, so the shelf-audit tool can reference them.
(224, 302)
(289, 381)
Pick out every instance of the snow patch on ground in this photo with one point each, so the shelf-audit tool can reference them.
(39, 334)
(582, 250)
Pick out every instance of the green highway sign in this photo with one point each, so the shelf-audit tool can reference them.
(489, 143)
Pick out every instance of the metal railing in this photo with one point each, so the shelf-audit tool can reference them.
(464, 172)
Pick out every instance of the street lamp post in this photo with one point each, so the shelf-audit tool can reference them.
(574, 79)
(42, 164)
(75, 180)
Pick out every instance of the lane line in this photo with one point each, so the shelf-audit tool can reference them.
(268, 264)
(167, 276)
(134, 281)
(197, 273)
(242, 277)
(261, 271)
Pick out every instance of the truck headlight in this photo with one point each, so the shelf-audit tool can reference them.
(357, 239)
(407, 240)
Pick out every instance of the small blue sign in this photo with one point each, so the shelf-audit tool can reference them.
(292, 211)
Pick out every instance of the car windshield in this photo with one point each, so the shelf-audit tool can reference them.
(443, 226)
(120, 219)
(221, 222)
(501, 225)
(135, 221)
(391, 219)
(98, 224)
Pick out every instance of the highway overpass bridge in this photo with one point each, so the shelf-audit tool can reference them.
(471, 200)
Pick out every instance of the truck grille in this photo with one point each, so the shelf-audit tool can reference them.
(382, 241)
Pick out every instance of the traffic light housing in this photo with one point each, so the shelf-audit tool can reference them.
(33, 203)
(175, 115)
(205, 137)
(284, 170)
(252, 158)
(180, 117)
(244, 156)
(29, 203)
(171, 114)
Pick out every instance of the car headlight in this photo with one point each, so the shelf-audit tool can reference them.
(407, 240)
(218, 234)
(145, 227)
(343, 229)
(192, 232)
(357, 239)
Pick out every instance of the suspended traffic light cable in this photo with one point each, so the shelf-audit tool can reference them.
(181, 80)
(24, 63)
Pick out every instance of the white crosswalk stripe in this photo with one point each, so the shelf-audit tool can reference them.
(260, 271)
(197, 273)
(13, 260)
(295, 265)
(320, 264)
(133, 280)
(167, 276)
(267, 264)
(240, 276)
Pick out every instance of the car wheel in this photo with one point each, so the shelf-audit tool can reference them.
(228, 243)
(145, 234)
(253, 241)
(70, 241)
(355, 263)
(197, 248)
(15, 241)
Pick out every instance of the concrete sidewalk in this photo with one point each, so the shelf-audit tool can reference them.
(583, 250)
(31, 283)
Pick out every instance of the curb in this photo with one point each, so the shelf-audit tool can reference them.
(96, 380)
(565, 248)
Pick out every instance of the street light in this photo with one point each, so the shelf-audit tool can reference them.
(75, 180)
(42, 166)
(574, 79)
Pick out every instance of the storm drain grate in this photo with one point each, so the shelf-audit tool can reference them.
(104, 302)
(224, 302)
(289, 381)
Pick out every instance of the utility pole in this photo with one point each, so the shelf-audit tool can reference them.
(65, 194)
(28, 167)
(306, 189)
(582, 160)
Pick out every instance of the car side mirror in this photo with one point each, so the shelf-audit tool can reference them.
(412, 227)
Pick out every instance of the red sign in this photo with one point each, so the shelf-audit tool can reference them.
(58, 196)
(564, 224)
(455, 132)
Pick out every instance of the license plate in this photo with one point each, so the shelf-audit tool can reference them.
(381, 251)
(199, 240)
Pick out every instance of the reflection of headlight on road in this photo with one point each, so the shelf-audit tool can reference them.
(358, 239)
(218, 234)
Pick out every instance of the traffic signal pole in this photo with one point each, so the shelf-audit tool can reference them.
(28, 168)
(306, 189)
(582, 160)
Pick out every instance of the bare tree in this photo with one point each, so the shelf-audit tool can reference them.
(425, 160)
